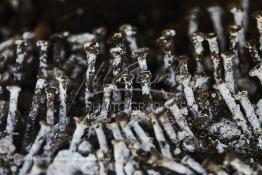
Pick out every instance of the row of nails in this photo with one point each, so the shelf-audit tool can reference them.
(226, 90)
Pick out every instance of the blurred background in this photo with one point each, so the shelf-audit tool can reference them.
(149, 16)
(17, 16)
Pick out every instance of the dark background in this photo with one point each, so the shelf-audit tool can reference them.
(150, 16)
(84, 15)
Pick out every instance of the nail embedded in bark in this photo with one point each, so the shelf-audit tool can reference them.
(179, 118)
(134, 147)
(130, 34)
(117, 63)
(234, 43)
(117, 54)
(252, 49)
(114, 127)
(216, 13)
(162, 142)
(128, 79)
(234, 108)
(258, 16)
(167, 125)
(212, 42)
(126, 129)
(102, 153)
(146, 141)
(187, 160)
(40, 85)
(218, 69)
(242, 96)
(108, 88)
(228, 59)
(40, 138)
(214, 49)
(43, 48)
(121, 154)
(171, 165)
(197, 40)
(12, 112)
(166, 43)
(20, 52)
(50, 112)
(189, 93)
(146, 89)
(102, 162)
(183, 68)
(184, 79)
(91, 49)
(103, 145)
(118, 40)
(131, 164)
(62, 80)
(233, 31)
(141, 54)
(238, 18)
(81, 126)
(145, 75)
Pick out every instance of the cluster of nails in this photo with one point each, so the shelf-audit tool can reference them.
(153, 141)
